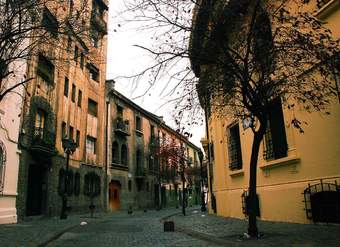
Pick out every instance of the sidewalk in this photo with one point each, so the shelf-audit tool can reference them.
(227, 231)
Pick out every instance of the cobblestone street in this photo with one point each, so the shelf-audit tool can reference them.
(146, 229)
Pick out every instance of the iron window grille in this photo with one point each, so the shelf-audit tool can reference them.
(275, 140)
(234, 148)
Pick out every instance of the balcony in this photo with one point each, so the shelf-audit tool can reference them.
(122, 127)
(43, 141)
(98, 22)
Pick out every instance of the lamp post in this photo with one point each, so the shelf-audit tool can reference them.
(69, 147)
(203, 208)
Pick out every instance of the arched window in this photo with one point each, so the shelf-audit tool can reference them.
(115, 152)
(124, 155)
(138, 159)
(2, 165)
(129, 185)
(69, 183)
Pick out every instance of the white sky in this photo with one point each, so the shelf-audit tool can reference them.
(124, 59)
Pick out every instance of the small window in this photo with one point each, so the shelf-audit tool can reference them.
(77, 184)
(73, 93)
(76, 54)
(78, 138)
(40, 119)
(138, 123)
(69, 44)
(50, 23)
(152, 131)
(115, 152)
(70, 135)
(66, 87)
(129, 185)
(93, 72)
(63, 130)
(92, 108)
(91, 145)
(82, 59)
(124, 155)
(45, 69)
(234, 148)
(119, 111)
(79, 97)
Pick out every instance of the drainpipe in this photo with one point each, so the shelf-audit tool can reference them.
(107, 104)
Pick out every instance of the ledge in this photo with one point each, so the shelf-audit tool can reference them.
(236, 173)
(119, 167)
(281, 162)
(139, 133)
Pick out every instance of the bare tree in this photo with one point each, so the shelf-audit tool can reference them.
(26, 25)
(248, 56)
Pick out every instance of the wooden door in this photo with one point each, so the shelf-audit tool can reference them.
(114, 196)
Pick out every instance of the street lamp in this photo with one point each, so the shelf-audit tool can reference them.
(203, 208)
(69, 147)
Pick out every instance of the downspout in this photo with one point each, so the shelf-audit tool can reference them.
(107, 104)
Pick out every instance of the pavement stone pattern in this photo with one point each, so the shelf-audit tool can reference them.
(146, 229)
(230, 231)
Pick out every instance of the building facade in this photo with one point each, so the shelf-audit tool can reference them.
(298, 175)
(10, 111)
(136, 175)
(64, 100)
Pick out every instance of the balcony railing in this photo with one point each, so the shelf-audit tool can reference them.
(122, 127)
(99, 23)
(43, 140)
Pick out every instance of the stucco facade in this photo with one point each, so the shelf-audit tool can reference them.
(65, 100)
(286, 186)
(10, 111)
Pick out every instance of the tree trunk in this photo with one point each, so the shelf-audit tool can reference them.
(252, 207)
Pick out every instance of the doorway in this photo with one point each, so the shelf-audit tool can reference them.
(36, 190)
(114, 195)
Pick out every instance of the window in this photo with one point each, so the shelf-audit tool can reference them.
(115, 152)
(2, 165)
(78, 138)
(151, 163)
(124, 155)
(70, 134)
(69, 44)
(91, 145)
(92, 108)
(50, 23)
(73, 93)
(76, 54)
(139, 159)
(152, 131)
(93, 72)
(92, 184)
(66, 87)
(79, 97)
(234, 147)
(129, 185)
(63, 130)
(82, 59)
(40, 119)
(119, 111)
(275, 142)
(45, 69)
(138, 123)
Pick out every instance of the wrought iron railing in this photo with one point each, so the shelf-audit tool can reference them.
(99, 22)
(43, 137)
(122, 126)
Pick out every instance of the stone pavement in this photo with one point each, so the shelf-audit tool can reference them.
(228, 231)
(145, 229)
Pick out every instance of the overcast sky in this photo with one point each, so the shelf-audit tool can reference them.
(124, 59)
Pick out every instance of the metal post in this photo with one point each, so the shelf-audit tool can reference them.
(63, 214)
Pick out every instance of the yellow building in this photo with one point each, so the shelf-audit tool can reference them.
(64, 100)
(299, 184)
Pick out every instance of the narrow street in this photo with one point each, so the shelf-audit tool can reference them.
(141, 229)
